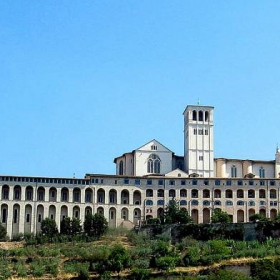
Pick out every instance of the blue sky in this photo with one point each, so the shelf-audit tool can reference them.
(82, 82)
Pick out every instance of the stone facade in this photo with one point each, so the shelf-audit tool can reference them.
(147, 179)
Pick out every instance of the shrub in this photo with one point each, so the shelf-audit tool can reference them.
(83, 273)
(140, 274)
(166, 263)
(3, 233)
(18, 237)
(142, 263)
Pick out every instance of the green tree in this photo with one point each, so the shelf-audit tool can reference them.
(95, 225)
(76, 227)
(220, 216)
(258, 218)
(166, 262)
(119, 259)
(70, 226)
(65, 226)
(173, 213)
(49, 228)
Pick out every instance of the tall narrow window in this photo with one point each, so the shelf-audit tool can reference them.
(121, 168)
(262, 172)
(4, 215)
(194, 116)
(206, 116)
(15, 215)
(200, 116)
(233, 171)
(153, 164)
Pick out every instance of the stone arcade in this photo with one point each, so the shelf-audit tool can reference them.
(146, 179)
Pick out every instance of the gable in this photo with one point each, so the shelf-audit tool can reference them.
(177, 173)
(153, 146)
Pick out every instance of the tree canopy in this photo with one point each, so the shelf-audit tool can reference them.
(95, 225)
(220, 216)
(174, 214)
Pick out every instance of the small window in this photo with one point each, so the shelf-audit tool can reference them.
(228, 182)
(149, 182)
(137, 181)
(195, 131)
(126, 181)
(183, 182)
(206, 132)
(206, 182)
(149, 202)
(272, 183)
(200, 158)
(206, 202)
(240, 183)
(171, 182)
(183, 202)
(229, 203)
(217, 182)
(153, 147)
(194, 182)
(160, 202)
(194, 202)
(27, 218)
(160, 182)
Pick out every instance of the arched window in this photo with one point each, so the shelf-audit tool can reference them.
(183, 202)
(194, 116)
(153, 164)
(121, 168)
(233, 171)
(251, 203)
(149, 202)
(206, 202)
(200, 116)
(262, 172)
(206, 116)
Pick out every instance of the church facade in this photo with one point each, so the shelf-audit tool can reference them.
(146, 179)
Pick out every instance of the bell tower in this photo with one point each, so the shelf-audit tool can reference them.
(199, 140)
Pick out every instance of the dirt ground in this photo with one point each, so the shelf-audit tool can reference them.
(10, 245)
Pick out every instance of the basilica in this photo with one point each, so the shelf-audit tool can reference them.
(146, 179)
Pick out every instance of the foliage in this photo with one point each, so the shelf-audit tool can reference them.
(140, 274)
(227, 275)
(3, 233)
(258, 217)
(49, 228)
(119, 259)
(5, 273)
(266, 269)
(166, 262)
(173, 214)
(95, 225)
(70, 226)
(220, 216)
